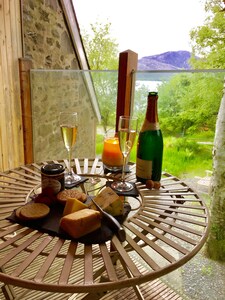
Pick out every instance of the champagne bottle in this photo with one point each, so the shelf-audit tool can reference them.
(150, 144)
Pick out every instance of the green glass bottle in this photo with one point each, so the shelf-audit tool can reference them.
(150, 144)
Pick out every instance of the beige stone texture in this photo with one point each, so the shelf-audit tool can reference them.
(53, 92)
(48, 45)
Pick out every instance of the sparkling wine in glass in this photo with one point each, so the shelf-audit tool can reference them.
(127, 130)
(68, 126)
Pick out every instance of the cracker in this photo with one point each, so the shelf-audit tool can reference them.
(17, 212)
(34, 211)
(65, 194)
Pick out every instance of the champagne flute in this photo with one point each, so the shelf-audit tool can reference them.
(68, 126)
(127, 130)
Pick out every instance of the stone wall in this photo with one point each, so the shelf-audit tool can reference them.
(48, 45)
(46, 37)
(52, 92)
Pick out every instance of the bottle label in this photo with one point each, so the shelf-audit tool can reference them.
(144, 168)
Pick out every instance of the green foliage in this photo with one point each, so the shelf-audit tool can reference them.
(184, 157)
(101, 48)
(102, 53)
(106, 91)
(190, 103)
(140, 103)
(208, 41)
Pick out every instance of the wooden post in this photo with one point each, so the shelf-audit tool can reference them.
(127, 65)
(24, 67)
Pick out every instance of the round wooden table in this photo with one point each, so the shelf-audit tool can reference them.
(164, 230)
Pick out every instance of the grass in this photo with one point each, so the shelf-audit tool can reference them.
(182, 157)
(185, 158)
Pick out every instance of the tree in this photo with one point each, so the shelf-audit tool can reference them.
(216, 241)
(101, 48)
(209, 43)
(102, 53)
(190, 103)
(140, 103)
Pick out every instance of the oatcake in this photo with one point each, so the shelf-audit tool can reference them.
(64, 195)
(33, 211)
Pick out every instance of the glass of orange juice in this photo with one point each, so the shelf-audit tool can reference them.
(112, 157)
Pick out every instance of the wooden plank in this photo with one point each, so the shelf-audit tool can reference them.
(172, 223)
(68, 263)
(108, 263)
(150, 243)
(176, 217)
(11, 141)
(162, 237)
(88, 264)
(125, 257)
(48, 262)
(4, 98)
(16, 112)
(24, 67)
(127, 64)
(32, 256)
(166, 229)
(21, 247)
(143, 254)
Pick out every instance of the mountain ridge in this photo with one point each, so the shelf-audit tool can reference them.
(170, 60)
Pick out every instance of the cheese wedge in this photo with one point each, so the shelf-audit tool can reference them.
(81, 222)
(109, 202)
(72, 205)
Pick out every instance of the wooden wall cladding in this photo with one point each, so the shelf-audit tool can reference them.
(11, 133)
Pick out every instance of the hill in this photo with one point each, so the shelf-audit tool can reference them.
(171, 60)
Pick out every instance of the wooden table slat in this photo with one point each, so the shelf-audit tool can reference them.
(166, 229)
(143, 254)
(162, 204)
(161, 237)
(68, 263)
(32, 256)
(172, 223)
(94, 166)
(49, 260)
(77, 165)
(150, 243)
(18, 176)
(30, 171)
(125, 257)
(32, 178)
(86, 165)
(18, 249)
(9, 230)
(88, 265)
(16, 184)
(160, 207)
(177, 217)
(174, 199)
(108, 263)
(11, 188)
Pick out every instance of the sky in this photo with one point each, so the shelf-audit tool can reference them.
(146, 27)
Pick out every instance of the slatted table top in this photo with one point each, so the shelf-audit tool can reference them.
(164, 230)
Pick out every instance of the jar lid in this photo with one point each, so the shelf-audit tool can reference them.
(52, 169)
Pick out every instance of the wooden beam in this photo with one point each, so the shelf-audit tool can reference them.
(24, 67)
(127, 65)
